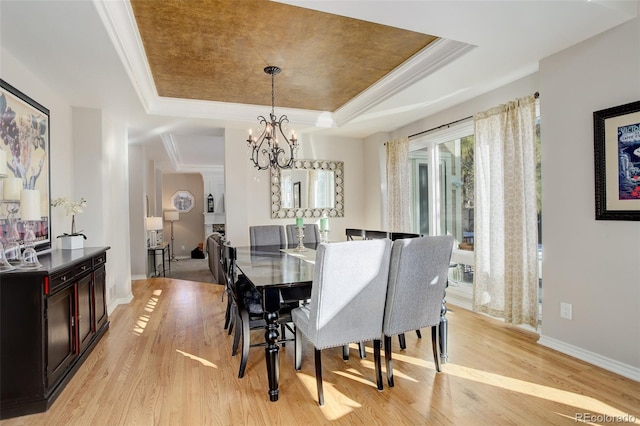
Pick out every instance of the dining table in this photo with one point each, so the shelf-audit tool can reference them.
(284, 274)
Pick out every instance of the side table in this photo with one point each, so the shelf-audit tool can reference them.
(152, 252)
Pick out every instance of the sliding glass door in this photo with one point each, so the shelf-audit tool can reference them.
(443, 194)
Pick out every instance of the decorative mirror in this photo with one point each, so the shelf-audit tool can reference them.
(312, 188)
(183, 201)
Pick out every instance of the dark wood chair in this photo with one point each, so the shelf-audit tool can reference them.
(400, 235)
(353, 233)
(375, 235)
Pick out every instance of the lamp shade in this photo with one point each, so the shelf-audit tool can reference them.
(171, 215)
(154, 223)
(30, 204)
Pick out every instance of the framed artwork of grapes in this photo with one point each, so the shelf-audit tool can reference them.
(25, 206)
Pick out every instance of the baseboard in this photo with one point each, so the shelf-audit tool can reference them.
(609, 364)
(113, 304)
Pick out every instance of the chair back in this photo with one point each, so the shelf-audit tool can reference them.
(267, 235)
(228, 263)
(418, 274)
(400, 235)
(348, 292)
(374, 235)
(352, 233)
(311, 234)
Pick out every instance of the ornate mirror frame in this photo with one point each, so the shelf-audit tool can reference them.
(278, 212)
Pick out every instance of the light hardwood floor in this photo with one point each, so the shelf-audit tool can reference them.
(166, 360)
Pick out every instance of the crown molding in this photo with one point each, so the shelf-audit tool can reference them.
(430, 59)
(120, 24)
(170, 147)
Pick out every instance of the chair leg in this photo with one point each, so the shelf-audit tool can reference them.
(418, 334)
(377, 362)
(246, 343)
(319, 376)
(237, 334)
(345, 352)
(387, 357)
(297, 358)
(283, 334)
(227, 314)
(402, 341)
(232, 319)
(363, 352)
(434, 343)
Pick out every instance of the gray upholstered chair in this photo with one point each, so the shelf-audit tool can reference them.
(267, 235)
(347, 300)
(311, 234)
(418, 274)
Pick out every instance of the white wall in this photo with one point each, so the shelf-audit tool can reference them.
(594, 265)
(248, 196)
(106, 183)
(137, 211)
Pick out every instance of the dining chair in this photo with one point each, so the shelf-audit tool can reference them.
(418, 274)
(227, 257)
(311, 234)
(374, 235)
(352, 233)
(347, 301)
(267, 235)
(397, 236)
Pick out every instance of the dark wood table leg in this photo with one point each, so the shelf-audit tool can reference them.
(271, 306)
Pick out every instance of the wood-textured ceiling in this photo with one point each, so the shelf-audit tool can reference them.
(216, 50)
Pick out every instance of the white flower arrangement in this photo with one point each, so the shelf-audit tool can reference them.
(72, 208)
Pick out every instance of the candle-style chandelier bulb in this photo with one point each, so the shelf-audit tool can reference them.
(267, 149)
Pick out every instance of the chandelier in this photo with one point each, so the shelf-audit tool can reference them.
(272, 148)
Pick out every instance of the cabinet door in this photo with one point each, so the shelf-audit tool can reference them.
(85, 308)
(60, 334)
(99, 290)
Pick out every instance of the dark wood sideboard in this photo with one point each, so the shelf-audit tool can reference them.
(50, 320)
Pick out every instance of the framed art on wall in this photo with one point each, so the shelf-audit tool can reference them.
(617, 162)
(24, 167)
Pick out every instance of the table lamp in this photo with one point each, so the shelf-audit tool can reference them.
(154, 224)
(172, 216)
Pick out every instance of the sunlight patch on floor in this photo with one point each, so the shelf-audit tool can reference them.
(143, 320)
(197, 358)
(581, 402)
(336, 404)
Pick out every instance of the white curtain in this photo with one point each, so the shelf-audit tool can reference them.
(398, 186)
(505, 278)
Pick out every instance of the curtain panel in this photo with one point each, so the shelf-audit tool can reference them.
(506, 278)
(398, 186)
